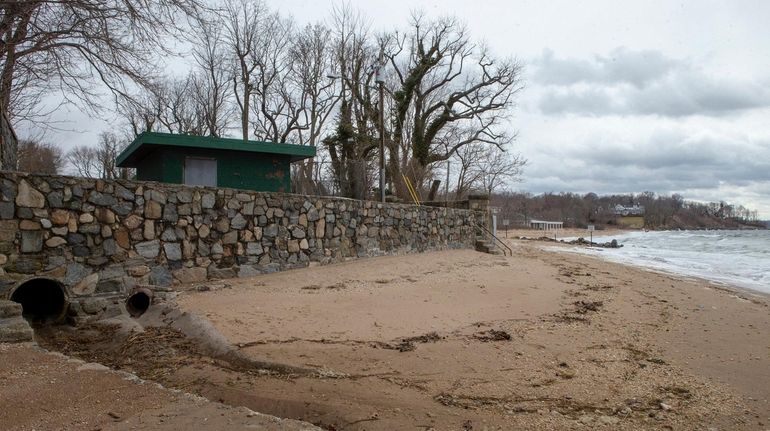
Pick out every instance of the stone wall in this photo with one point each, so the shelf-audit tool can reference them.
(104, 237)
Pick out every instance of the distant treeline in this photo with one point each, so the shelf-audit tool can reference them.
(660, 211)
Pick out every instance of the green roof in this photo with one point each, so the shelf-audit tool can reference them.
(147, 141)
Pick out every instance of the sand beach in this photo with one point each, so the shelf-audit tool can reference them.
(461, 340)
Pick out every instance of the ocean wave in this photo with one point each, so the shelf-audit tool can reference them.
(737, 258)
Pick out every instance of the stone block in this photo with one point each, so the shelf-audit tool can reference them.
(109, 246)
(254, 248)
(105, 215)
(31, 241)
(155, 195)
(190, 275)
(133, 221)
(248, 271)
(184, 196)
(122, 238)
(55, 241)
(148, 249)
(86, 286)
(29, 225)
(161, 276)
(220, 273)
(7, 210)
(28, 197)
(222, 224)
(93, 305)
(15, 330)
(173, 251)
(149, 230)
(238, 222)
(9, 309)
(8, 230)
(170, 214)
(90, 228)
(101, 199)
(230, 237)
(204, 231)
(270, 231)
(123, 193)
(297, 232)
(72, 224)
(208, 200)
(169, 235)
(153, 210)
(109, 286)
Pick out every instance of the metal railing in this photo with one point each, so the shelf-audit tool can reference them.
(495, 238)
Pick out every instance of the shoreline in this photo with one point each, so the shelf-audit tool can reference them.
(734, 280)
(457, 339)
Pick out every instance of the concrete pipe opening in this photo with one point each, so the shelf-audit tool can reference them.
(42, 300)
(138, 302)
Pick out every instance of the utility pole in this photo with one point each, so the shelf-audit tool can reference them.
(380, 79)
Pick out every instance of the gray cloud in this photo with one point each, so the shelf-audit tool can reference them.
(621, 66)
(665, 162)
(639, 83)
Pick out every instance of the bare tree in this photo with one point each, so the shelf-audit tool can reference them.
(351, 148)
(498, 167)
(176, 105)
(71, 45)
(465, 159)
(39, 157)
(276, 111)
(107, 150)
(244, 21)
(84, 160)
(99, 161)
(316, 93)
(210, 86)
(450, 92)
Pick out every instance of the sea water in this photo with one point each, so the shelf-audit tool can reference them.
(733, 257)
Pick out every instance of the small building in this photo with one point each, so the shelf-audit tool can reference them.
(625, 211)
(546, 225)
(212, 161)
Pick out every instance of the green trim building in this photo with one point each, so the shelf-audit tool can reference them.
(211, 161)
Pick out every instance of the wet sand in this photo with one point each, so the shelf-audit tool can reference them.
(465, 340)
(41, 390)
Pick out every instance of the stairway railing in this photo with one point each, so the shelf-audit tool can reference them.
(495, 238)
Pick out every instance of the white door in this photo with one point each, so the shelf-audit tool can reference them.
(200, 172)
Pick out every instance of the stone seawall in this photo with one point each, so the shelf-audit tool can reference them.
(105, 237)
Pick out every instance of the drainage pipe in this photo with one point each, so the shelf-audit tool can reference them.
(138, 301)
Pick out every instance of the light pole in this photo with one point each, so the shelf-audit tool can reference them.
(379, 78)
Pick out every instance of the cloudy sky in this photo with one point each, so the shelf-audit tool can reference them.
(621, 96)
